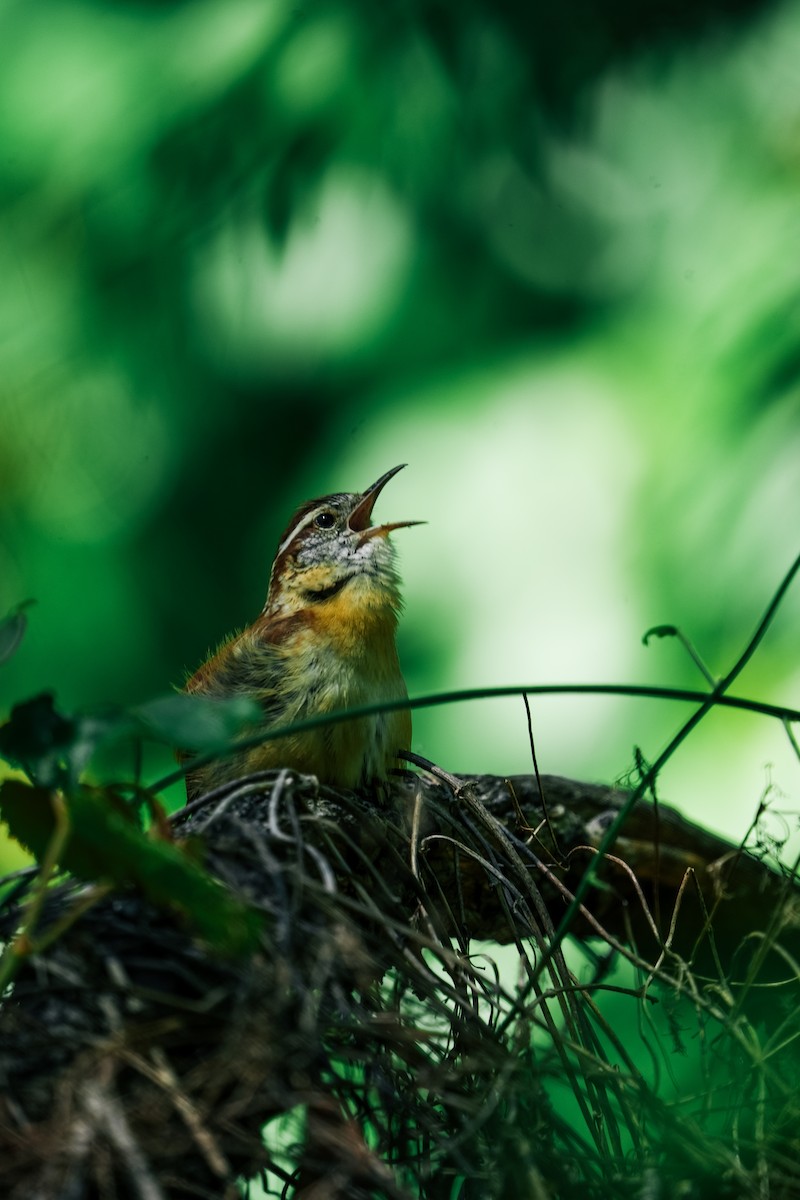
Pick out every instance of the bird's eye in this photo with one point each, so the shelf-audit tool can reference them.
(325, 520)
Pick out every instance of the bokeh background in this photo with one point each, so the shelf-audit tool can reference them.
(253, 251)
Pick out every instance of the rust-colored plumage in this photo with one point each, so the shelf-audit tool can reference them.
(324, 642)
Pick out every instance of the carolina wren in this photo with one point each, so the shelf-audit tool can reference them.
(324, 641)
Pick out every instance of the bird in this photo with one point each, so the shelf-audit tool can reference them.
(324, 641)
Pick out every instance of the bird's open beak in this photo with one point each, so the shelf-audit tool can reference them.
(362, 513)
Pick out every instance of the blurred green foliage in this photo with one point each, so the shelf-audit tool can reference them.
(252, 252)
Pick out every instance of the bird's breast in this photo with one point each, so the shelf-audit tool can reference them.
(341, 655)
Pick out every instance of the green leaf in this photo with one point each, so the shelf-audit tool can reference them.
(37, 738)
(51, 748)
(28, 813)
(105, 845)
(196, 722)
(12, 630)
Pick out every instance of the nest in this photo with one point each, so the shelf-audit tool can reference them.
(369, 1048)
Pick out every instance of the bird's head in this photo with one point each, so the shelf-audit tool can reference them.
(329, 546)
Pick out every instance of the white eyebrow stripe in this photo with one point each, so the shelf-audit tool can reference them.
(292, 534)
